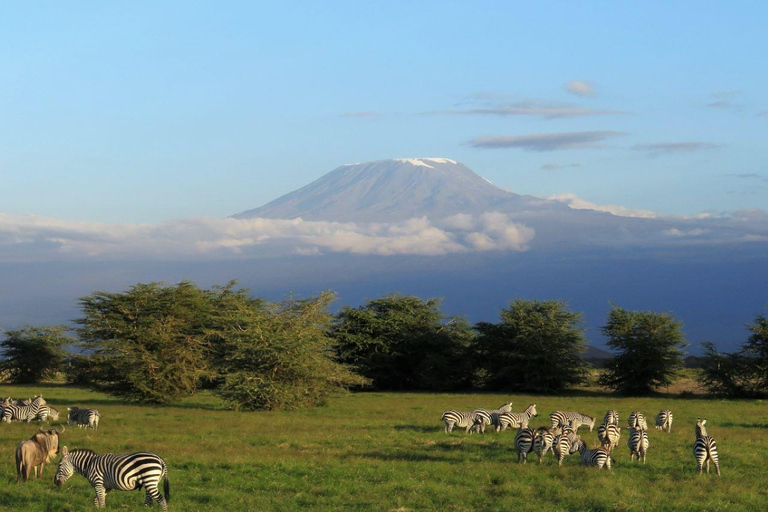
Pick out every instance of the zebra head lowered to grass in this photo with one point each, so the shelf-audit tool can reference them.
(705, 448)
(598, 457)
(23, 412)
(123, 472)
(572, 419)
(83, 418)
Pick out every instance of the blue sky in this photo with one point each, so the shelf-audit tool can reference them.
(150, 111)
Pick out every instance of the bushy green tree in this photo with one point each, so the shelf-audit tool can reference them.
(537, 346)
(279, 356)
(33, 354)
(740, 374)
(649, 349)
(151, 343)
(404, 342)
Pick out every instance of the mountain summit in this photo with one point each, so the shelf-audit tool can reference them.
(391, 191)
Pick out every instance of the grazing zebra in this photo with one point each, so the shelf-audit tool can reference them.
(544, 441)
(611, 417)
(705, 448)
(609, 435)
(638, 443)
(22, 412)
(636, 419)
(517, 419)
(483, 417)
(47, 413)
(124, 472)
(524, 440)
(664, 421)
(562, 444)
(595, 457)
(83, 418)
(573, 418)
(462, 419)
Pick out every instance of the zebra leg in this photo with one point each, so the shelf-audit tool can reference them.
(101, 495)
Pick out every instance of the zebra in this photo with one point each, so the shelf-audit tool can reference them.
(23, 412)
(524, 441)
(609, 435)
(83, 418)
(637, 419)
(47, 413)
(124, 472)
(544, 441)
(638, 443)
(463, 419)
(517, 419)
(595, 457)
(611, 417)
(562, 444)
(576, 420)
(664, 421)
(705, 448)
(483, 417)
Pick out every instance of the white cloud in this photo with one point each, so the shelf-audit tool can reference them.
(578, 203)
(37, 238)
(580, 88)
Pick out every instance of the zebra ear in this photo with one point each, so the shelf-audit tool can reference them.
(64, 452)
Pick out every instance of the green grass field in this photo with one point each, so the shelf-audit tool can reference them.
(387, 451)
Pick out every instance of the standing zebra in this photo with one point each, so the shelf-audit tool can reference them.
(638, 443)
(636, 419)
(705, 448)
(483, 417)
(609, 435)
(664, 421)
(524, 440)
(124, 472)
(596, 457)
(23, 412)
(563, 443)
(83, 418)
(517, 419)
(611, 417)
(575, 419)
(544, 441)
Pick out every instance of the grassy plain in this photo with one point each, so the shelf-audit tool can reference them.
(387, 451)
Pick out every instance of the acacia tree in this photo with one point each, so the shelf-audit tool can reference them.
(405, 342)
(740, 374)
(151, 343)
(649, 349)
(537, 346)
(278, 355)
(33, 354)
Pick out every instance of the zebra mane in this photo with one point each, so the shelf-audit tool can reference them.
(82, 450)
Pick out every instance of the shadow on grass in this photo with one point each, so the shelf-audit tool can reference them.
(746, 425)
(416, 428)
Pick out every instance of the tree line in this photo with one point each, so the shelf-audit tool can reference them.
(158, 344)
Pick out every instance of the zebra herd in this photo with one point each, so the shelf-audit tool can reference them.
(562, 439)
(105, 472)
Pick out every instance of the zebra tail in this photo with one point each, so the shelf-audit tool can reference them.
(166, 487)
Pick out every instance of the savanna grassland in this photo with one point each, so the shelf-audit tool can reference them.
(387, 451)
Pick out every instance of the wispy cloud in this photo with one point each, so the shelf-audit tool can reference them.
(557, 167)
(578, 203)
(580, 88)
(724, 100)
(36, 238)
(745, 175)
(546, 141)
(528, 109)
(665, 148)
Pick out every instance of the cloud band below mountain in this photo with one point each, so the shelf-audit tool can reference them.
(36, 238)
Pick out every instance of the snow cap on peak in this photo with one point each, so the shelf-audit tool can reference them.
(422, 162)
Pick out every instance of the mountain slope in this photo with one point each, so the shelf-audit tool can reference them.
(392, 191)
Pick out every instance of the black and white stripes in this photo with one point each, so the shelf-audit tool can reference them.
(124, 472)
(574, 419)
(705, 448)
